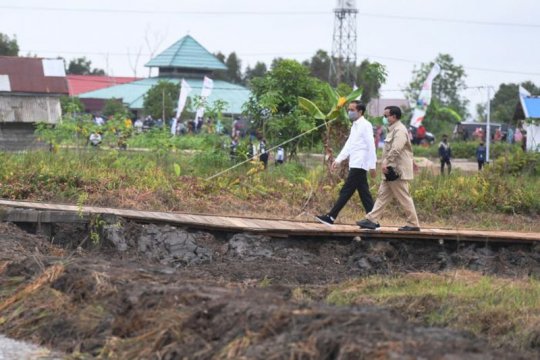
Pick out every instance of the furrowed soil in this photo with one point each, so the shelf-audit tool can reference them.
(135, 291)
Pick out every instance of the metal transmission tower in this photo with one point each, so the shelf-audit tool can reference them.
(344, 42)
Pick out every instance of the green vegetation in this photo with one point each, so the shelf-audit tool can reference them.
(506, 311)
(174, 180)
(467, 150)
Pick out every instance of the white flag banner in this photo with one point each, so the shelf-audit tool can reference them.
(208, 86)
(523, 93)
(354, 88)
(424, 98)
(185, 89)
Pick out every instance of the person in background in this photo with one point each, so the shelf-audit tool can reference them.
(481, 155)
(138, 125)
(280, 155)
(510, 136)
(95, 139)
(234, 147)
(263, 154)
(360, 150)
(445, 153)
(498, 135)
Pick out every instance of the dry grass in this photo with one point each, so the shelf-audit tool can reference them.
(48, 276)
(505, 311)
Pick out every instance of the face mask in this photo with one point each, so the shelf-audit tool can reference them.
(385, 120)
(353, 115)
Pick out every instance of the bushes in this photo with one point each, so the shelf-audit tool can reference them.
(62, 176)
(517, 163)
(466, 150)
(486, 191)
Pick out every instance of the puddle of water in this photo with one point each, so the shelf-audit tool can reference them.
(17, 350)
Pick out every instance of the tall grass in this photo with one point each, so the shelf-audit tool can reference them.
(506, 311)
(180, 178)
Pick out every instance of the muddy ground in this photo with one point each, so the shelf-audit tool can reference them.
(161, 292)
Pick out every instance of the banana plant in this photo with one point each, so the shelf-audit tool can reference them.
(338, 110)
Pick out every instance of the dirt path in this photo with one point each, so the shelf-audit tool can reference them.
(167, 293)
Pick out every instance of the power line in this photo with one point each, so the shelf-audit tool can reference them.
(465, 67)
(505, 71)
(267, 13)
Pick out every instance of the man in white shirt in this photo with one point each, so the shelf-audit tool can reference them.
(360, 150)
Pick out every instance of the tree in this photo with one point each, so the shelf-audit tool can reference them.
(234, 68)
(221, 57)
(274, 102)
(83, 66)
(506, 99)
(114, 107)
(319, 65)
(8, 47)
(259, 70)
(370, 76)
(161, 99)
(446, 101)
(71, 105)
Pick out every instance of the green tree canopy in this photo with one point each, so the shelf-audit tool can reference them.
(71, 104)
(8, 46)
(319, 65)
(161, 99)
(446, 101)
(234, 68)
(83, 66)
(503, 105)
(370, 76)
(259, 70)
(114, 107)
(274, 101)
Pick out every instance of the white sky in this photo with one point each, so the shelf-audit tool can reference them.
(496, 35)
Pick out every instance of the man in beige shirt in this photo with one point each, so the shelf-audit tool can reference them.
(397, 167)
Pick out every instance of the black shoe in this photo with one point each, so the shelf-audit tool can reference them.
(409, 228)
(367, 224)
(325, 219)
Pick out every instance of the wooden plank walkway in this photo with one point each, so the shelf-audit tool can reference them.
(24, 211)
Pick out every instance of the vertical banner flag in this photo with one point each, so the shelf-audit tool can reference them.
(523, 93)
(208, 86)
(424, 98)
(185, 89)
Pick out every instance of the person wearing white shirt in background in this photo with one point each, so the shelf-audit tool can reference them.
(360, 150)
(280, 155)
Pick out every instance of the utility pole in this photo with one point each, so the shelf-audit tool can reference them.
(344, 41)
(488, 124)
(163, 105)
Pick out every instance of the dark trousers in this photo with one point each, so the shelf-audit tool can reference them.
(447, 162)
(480, 164)
(357, 180)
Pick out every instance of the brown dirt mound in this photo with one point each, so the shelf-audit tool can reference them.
(160, 292)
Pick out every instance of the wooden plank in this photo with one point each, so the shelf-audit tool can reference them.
(41, 212)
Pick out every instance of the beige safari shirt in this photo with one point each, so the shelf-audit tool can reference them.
(398, 150)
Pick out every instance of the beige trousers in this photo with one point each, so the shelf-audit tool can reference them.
(399, 189)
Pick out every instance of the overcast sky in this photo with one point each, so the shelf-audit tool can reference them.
(496, 41)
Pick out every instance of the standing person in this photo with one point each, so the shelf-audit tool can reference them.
(263, 153)
(397, 167)
(445, 153)
(360, 150)
(280, 155)
(481, 155)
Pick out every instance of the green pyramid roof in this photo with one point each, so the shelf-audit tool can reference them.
(187, 53)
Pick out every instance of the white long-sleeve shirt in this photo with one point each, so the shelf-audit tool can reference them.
(360, 146)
